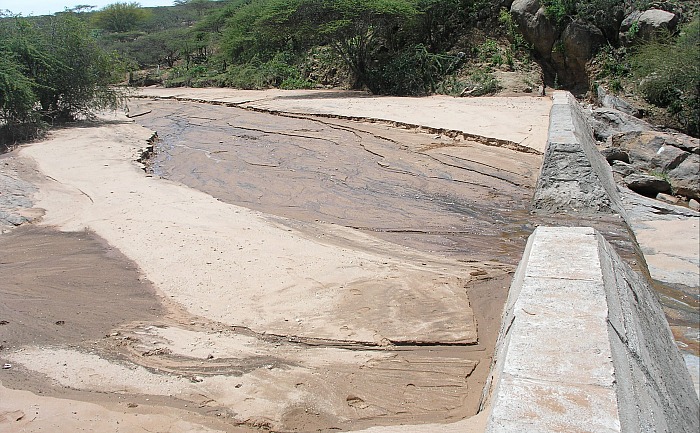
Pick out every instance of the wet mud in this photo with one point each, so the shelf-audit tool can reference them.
(426, 191)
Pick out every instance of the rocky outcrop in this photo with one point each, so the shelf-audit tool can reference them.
(647, 185)
(685, 178)
(640, 26)
(578, 43)
(649, 150)
(564, 48)
(535, 26)
(606, 100)
(660, 158)
(15, 195)
(607, 122)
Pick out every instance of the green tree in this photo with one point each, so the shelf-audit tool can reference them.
(200, 6)
(120, 17)
(51, 70)
(360, 31)
(160, 48)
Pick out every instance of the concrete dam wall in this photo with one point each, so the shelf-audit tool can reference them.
(584, 344)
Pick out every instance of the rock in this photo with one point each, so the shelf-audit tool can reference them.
(610, 101)
(653, 20)
(607, 122)
(647, 185)
(629, 21)
(12, 219)
(612, 154)
(642, 26)
(685, 178)
(685, 142)
(535, 26)
(650, 150)
(622, 168)
(694, 204)
(667, 198)
(579, 42)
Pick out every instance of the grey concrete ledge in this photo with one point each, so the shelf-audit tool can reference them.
(585, 347)
(574, 176)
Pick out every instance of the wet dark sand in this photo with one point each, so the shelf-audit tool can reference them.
(428, 192)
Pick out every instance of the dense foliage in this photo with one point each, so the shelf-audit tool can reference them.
(50, 70)
(667, 71)
(400, 47)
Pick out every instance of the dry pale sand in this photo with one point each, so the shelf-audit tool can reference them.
(671, 249)
(522, 120)
(242, 321)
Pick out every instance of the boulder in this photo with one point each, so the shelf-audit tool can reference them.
(694, 204)
(685, 178)
(612, 154)
(650, 150)
(607, 122)
(647, 185)
(667, 198)
(578, 44)
(616, 103)
(622, 169)
(685, 142)
(641, 26)
(535, 26)
(653, 20)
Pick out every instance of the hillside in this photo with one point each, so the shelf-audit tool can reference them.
(644, 52)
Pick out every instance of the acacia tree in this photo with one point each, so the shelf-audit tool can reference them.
(120, 17)
(360, 31)
(51, 70)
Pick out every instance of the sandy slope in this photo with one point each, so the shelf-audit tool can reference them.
(231, 265)
(263, 324)
(522, 120)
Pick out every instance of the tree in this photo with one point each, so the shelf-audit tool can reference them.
(159, 48)
(359, 31)
(120, 17)
(198, 5)
(51, 70)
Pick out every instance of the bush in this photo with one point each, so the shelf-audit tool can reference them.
(51, 70)
(482, 83)
(668, 73)
(277, 72)
(413, 71)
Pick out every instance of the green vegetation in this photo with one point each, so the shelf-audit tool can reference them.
(120, 17)
(667, 73)
(56, 68)
(594, 11)
(50, 70)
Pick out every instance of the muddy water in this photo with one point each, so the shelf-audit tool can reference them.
(415, 189)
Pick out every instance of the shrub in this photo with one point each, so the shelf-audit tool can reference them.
(413, 71)
(668, 73)
(52, 70)
(277, 72)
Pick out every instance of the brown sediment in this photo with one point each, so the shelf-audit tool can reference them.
(334, 277)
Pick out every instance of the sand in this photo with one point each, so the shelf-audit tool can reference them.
(141, 302)
(519, 120)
